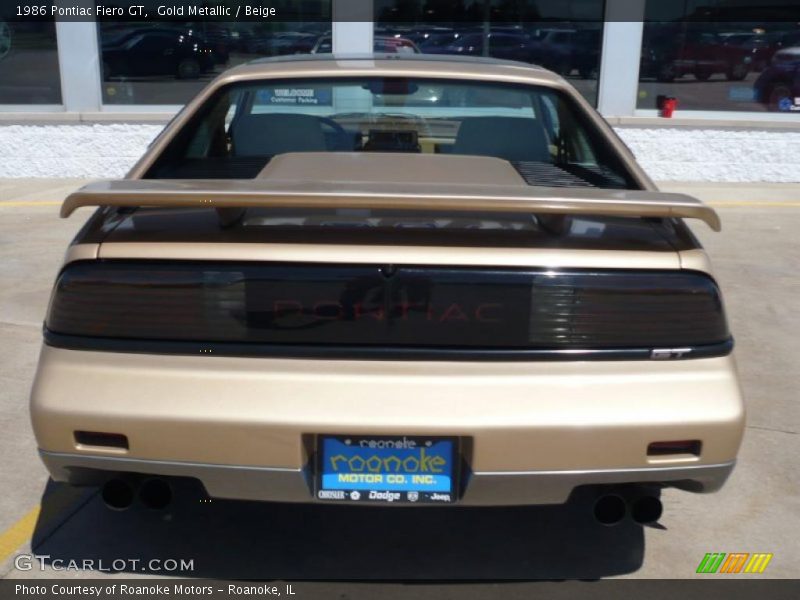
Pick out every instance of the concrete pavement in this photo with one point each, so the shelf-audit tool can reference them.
(756, 257)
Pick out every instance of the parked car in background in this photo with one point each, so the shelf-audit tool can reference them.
(567, 50)
(435, 43)
(394, 45)
(381, 44)
(507, 46)
(778, 86)
(5, 39)
(217, 37)
(766, 46)
(670, 55)
(156, 51)
(424, 35)
(552, 48)
(761, 47)
(291, 42)
(244, 35)
(261, 41)
(756, 47)
(736, 38)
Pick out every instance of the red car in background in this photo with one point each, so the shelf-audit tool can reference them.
(671, 55)
(766, 46)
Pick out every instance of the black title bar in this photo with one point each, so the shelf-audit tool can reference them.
(397, 11)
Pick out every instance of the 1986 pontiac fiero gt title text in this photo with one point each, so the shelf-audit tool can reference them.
(140, 11)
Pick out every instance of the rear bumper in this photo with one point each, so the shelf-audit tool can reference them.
(246, 427)
(294, 485)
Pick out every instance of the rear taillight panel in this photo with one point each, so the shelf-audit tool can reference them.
(329, 305)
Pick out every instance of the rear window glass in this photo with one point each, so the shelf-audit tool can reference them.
(544, 133)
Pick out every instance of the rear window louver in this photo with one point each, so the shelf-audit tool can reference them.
(569, 175)
(548, 175)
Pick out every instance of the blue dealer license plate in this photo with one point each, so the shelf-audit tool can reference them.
(386, 468)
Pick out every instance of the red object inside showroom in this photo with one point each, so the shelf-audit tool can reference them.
(668, 107)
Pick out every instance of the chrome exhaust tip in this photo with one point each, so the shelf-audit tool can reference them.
(117, 494)
(646, 510)
(610, 509)
(155, 494)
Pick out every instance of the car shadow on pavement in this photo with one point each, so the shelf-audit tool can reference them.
(250, 540)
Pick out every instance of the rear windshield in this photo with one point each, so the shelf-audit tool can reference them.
(542, 132)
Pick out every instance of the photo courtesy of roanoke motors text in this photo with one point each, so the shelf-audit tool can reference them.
(367, 299)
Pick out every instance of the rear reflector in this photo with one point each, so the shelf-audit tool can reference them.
(370, 306)
(692, 447)
(101, 439)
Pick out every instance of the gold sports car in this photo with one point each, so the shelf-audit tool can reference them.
(388, 280)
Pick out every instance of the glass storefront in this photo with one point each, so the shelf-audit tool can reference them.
(565, 37)
(745, 61)
(168, 62)
(751, 65)
(29, 72)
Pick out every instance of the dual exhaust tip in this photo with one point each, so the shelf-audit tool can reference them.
(119, 494)
(611, 509)
(156, 494)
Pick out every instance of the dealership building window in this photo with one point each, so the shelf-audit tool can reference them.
(625, 56)
(29, 73)
(167, 63)
(565, 37)
(752, 65)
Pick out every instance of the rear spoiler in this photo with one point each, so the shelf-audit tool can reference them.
(251, 193)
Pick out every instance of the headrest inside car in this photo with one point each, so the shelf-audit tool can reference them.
(271, 134)
(509, 138)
